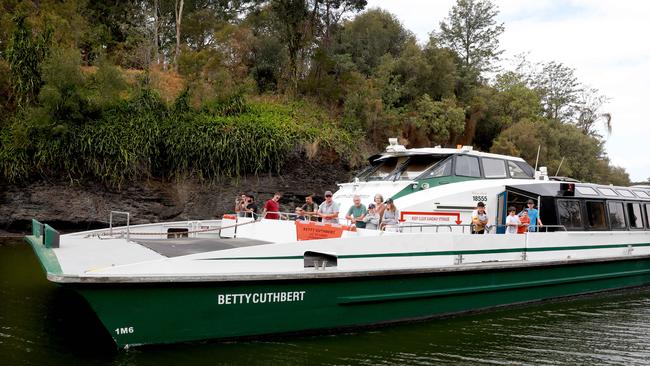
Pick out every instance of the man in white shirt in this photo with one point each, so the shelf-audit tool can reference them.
(329, 210)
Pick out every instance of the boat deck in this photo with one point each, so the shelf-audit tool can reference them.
(185, 246)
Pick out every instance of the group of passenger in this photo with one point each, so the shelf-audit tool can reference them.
(378, 215)
(516, 223)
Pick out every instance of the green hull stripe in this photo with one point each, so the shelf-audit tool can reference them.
(477, 289)
(46, 256)
(449, 252)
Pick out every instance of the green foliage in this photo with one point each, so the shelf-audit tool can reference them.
(371, 35)
(24, 55)
(79, 82)
(439, 120)
(471, 30)
(143, 137)
(583, 155)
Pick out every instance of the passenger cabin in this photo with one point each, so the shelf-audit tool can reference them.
(581, 206)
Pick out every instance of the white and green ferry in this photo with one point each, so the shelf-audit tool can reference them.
(239, 277)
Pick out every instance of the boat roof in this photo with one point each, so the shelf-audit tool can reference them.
(467, 150)
(583, 190)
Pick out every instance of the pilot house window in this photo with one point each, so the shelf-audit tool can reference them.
(467, 166)
(494, 168)
(570, 214)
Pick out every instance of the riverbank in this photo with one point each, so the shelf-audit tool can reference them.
(82, 206)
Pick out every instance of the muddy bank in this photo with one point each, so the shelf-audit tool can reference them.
(83, 206)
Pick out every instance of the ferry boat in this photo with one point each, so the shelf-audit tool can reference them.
(242, 276)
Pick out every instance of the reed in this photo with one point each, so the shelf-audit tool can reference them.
(143, 137)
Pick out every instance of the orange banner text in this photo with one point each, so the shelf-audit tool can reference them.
(309, 230)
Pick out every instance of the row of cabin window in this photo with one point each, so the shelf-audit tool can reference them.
(468, 166)
(601, 215)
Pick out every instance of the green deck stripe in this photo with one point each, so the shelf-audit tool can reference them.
(449, 252)
(46, 256)
(476, 289)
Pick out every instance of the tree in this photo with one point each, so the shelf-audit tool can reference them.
(371, 35)
(471, 30)
(178, 12)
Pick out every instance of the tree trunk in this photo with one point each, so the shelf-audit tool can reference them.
(156, 24)
(178, 8)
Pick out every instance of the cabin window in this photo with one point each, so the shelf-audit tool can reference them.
(596, 215)
(634, 215)
(442, 169)
(386, 168)
(624, 193)
(570, 214)
(607, 192)
(516, 171)
(494, 168)
(417, 164)
(587, 191)
(467, 166)
(616, 215)
(645, 215)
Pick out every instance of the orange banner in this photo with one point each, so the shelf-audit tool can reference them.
(310, 230)
(229, 216)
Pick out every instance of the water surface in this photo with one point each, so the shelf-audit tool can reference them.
(42, 324)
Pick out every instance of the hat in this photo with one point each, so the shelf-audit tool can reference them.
(480, 204)
(328, 193)
(372, 205)
(390, 200)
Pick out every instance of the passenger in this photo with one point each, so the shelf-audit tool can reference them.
(479, 219)
(251, 206)
(300, 214)
(357, 212)
(512, 221)
(372, 218)
(329, 210)
(379, 206)
(272, 207)
(240, 204)
(533, 215)
(390, 218)
(525, 222)
(311, 208)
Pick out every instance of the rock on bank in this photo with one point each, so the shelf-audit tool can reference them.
(69, 206)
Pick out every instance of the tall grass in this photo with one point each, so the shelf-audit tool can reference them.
(144, 137)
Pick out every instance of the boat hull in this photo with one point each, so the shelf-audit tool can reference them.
(150, 313)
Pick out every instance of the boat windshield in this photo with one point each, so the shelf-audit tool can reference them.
(400, 167)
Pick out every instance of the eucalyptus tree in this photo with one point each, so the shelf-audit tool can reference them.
(472, 31)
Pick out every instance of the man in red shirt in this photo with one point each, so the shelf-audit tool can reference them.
(272, 207)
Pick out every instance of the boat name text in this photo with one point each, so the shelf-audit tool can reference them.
(260, 297)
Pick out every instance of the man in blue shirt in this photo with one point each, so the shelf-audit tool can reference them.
(533, 215)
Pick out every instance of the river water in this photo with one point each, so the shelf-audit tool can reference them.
(42, 324)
